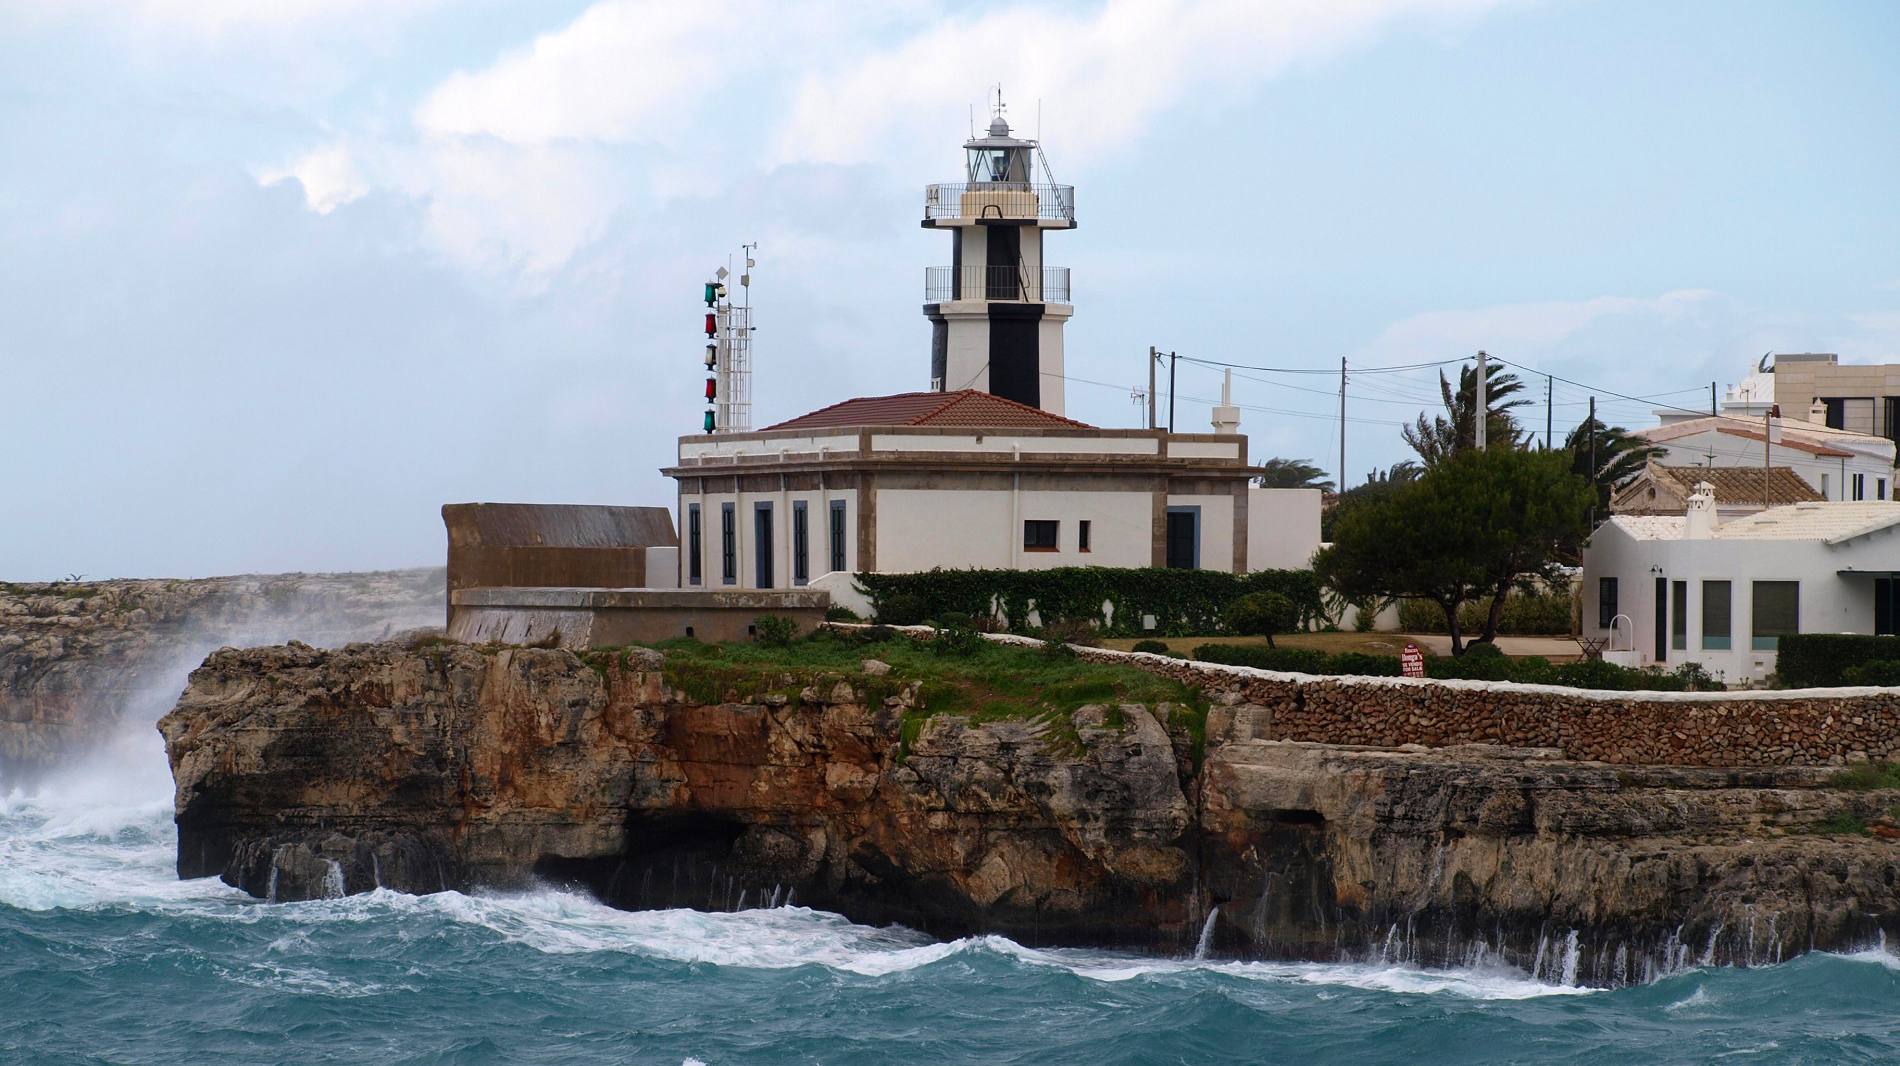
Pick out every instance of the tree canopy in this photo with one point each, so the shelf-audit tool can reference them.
(1457, 429)
(1620, 456)
(1292, 474)
(1474, 525)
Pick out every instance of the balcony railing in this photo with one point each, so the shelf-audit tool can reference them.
(999, 199)
(1027, 284)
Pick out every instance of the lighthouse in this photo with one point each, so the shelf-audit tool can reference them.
(996, 312)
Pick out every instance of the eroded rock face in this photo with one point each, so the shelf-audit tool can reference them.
(304, 773)
(79, 659)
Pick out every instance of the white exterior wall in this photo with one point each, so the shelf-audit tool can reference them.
(818, 505)
(1217, 529)
(918, 529)
(1828, 602)
(1282, 528)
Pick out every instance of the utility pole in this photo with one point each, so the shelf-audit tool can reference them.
(1548, 390)
(1768, 449)
(1152, 357)
(1594, 492)
(1341, 487)
(1173, 358)
(1483, 412)
(1712, 410)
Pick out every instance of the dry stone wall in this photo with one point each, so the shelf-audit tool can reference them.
(1804, 727)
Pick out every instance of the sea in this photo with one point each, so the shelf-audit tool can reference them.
(107, 958)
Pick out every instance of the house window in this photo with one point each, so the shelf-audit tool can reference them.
(1039, 535)
(1886, 607)
(693, 575)
(837, 535)
(1880, 488)
(762, 544)
(1777, 612)
(728, 545)
(1715, 616)
(1824, 494)
(1082, 535)
(801, 544)
(1183, 550)
(1679, 616)
(1606, 602)
(1860, 486)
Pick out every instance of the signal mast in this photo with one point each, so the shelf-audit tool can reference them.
(729, 351)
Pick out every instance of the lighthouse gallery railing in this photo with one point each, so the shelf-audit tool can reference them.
(999, 199)
(1047, 285)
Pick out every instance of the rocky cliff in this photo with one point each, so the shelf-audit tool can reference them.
(79, 658)
(305, 773)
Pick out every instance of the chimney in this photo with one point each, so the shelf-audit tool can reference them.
(1700, 521)
(1226, 415)
(1817, 413)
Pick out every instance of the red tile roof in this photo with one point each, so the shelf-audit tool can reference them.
(966, 408)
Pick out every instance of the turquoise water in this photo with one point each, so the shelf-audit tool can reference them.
(106, 958)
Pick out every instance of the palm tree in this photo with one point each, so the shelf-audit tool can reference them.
(1620, 456)
(1292, 474)
(1436, 440)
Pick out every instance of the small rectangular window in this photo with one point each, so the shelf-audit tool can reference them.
(1886, 606)
(728, 544)
(1606, 602)
(762, 546)
(837, 535)
(1860, 486)
(1082, 536)
(1679, 615)
(1715, 616)
(1039, 535)
(1777, 613)
(1824, 494)
(801, 544)
(1880, 488)
(693, 574)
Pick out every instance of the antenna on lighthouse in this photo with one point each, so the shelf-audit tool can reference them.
(729, 351)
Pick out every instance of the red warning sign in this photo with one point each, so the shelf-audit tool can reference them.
(1412, 661)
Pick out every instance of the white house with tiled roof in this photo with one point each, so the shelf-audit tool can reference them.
(969, 480)
(1841, 464)
(1689, 587)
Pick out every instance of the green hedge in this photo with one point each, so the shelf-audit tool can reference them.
(1534, 670)
(1884, 672)
(1184, 602)
(1526, 614)
(1817, 660)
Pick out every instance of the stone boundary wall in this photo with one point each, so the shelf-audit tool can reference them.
(1798, 727)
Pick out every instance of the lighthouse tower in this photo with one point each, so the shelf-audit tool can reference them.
(996, 312)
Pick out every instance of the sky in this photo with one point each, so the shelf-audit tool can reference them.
(278, 280)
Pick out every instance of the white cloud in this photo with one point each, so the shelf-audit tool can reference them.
(1521, 327)
(328, 175)
(639, 101)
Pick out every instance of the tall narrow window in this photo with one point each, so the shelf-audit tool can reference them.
(1824, 493)
(693, 575)
(1715, 616)
(837, 535)
(1039, 535)
(1662, 619)
(1606, 602)
(1183, 549)
(1777, 612)
(801, 544)
(1880, 488)
(762, 545)
(1679, 616)
(1860, 486)
(728, 544)
(1886, 606)
(1082, 535)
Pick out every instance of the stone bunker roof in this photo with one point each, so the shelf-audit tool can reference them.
(967, 407)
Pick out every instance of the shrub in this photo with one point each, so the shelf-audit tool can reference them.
(1539, 613)
(1878, 672)
(1290, 660)
(839, 613)
(877, 635)
(1817, 660)
(956, 638)
(1867, 776)
(1471, 667)
(774, 630)
(1365, 615)
(1057, 650)
(1483, 649)
(1360, 664)
(902, 609)
(1073, 631)
(1153, 647)
(1114, 599)
(1261, 614)
(1698, 679)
